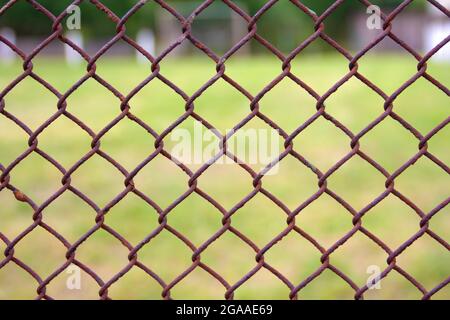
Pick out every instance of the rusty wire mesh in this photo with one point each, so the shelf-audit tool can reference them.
(319, 22)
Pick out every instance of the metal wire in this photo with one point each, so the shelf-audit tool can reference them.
(258, 177)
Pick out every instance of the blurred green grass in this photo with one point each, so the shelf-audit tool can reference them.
(355, 105)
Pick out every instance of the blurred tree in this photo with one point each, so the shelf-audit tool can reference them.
(284, 16)
(94, 22)
(283, 25)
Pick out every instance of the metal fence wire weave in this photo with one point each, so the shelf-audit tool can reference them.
(126, 111)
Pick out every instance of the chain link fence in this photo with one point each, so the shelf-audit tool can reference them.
(387, 111)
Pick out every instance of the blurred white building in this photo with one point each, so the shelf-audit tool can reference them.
(420, 30)
(6, 54)
(437, 30)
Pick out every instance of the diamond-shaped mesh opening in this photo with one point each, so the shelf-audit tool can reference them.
(383, 142)
(144, 218)
(70, 147)
(50, 252)
(331, 151)
(104, 28)
(174, 65)
(287, 17)
(287, 101)
(233, 264)
(9, 69)
(260, 218)
(116, 143)
(197, 218)
(31, 111)
(325, 220)
(214, 27)
(416, 259)
(293, 184)
(11, 132)
(364, 254)
(286, 258)
(132, 73)
(257, 145)
(95, 112)
(393, 219)
(216, 181)
(172, 182)
(136, 284)
(36, 178)
(41, 29)
(166, 255)
(213, 288)
(60, 74)
(355, 116)
(67, 286)
(242, 69)
(436, 145)
(16, 216)
(440, 224)
(336, 287)
(417, 113)
(108, 261)
(357, 182)
(111, 182)
(263, 285)
(438, 68)
(237, 106)
(393, 287)
(391, 66)
(10, 275)
(312, 63)
(157, 105)
(424, 175)
(70, 216)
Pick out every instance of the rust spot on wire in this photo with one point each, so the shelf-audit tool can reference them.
(20, 196)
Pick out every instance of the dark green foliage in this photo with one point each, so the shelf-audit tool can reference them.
(283, 24)
(27, 21)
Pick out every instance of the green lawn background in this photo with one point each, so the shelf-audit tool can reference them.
(355, 105)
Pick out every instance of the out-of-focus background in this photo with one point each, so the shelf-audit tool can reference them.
(421, 25)
(355, 105)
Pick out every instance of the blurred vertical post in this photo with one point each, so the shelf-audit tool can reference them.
(437, 30)
(239, 30)
(168, 30)
(6, 54)
(145, 39)
(72, 56)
